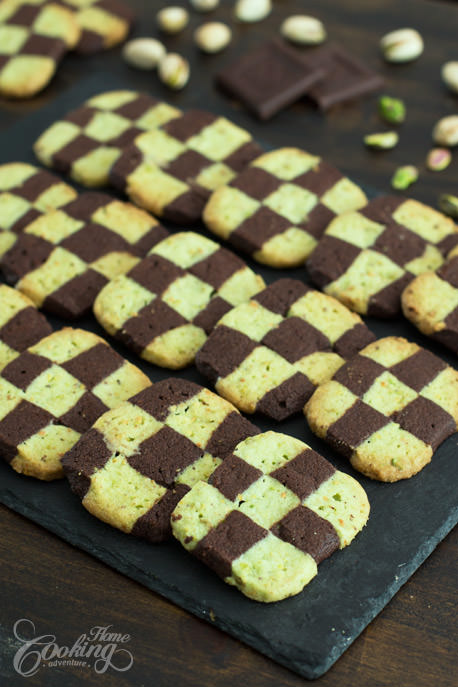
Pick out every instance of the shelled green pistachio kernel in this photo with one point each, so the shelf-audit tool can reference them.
(213, 36)
(174, 71)
(172, 19)
(445, 131)
(404, 177)
(382, 141)
(252, 10)
(303, 30)
(448, 204)
(438, 159)
(392, 110)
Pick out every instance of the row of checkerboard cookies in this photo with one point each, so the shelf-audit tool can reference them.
(35, 35)
(178, 298)
(280, 208)
(261, 509)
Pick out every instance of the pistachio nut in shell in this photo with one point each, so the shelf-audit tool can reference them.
(303, 30)
(402, 45)
(252, 10)
(445, 132)
(143, 53)
(449, 73)
(204, 5)
(438, 159)
(213, 36)
(174, 71)
(172, 19)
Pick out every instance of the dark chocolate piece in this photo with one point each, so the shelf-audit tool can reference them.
(346, 77)
(270, 78)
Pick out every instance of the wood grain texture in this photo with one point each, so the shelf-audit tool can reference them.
(64, 591)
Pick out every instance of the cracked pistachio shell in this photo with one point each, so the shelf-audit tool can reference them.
(438, 159)
(174, 71)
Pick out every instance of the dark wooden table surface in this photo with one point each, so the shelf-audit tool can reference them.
(65, 592)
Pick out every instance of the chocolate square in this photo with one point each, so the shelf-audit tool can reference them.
(227, 541)
(354, 427)
(280, 296)
(164, 455)
(23, 370)
(269, 78)
(294, 338)
(234, 476)
(305, 530)
(346, 77)
(304, 473)
(217, 267)
(94, 365)
(253, 233)
(427, 421)
(231, 431)
(158, 399)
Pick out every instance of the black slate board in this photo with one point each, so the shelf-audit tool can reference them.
(308, 632)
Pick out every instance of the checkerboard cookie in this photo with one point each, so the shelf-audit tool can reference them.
(34, 37)
(53, 392)
(88, 140)
(172, 169)
(21, 325)
(268, 355)
(279, 206)
(138, 460)
(65, 257)
(26, 192)
(366, 258)
(430, 302)
(103, 23)
(387, 409)
(270, 513)
(165, 306)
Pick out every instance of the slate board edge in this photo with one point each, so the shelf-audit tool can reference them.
(177, 596)
(309, 665)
